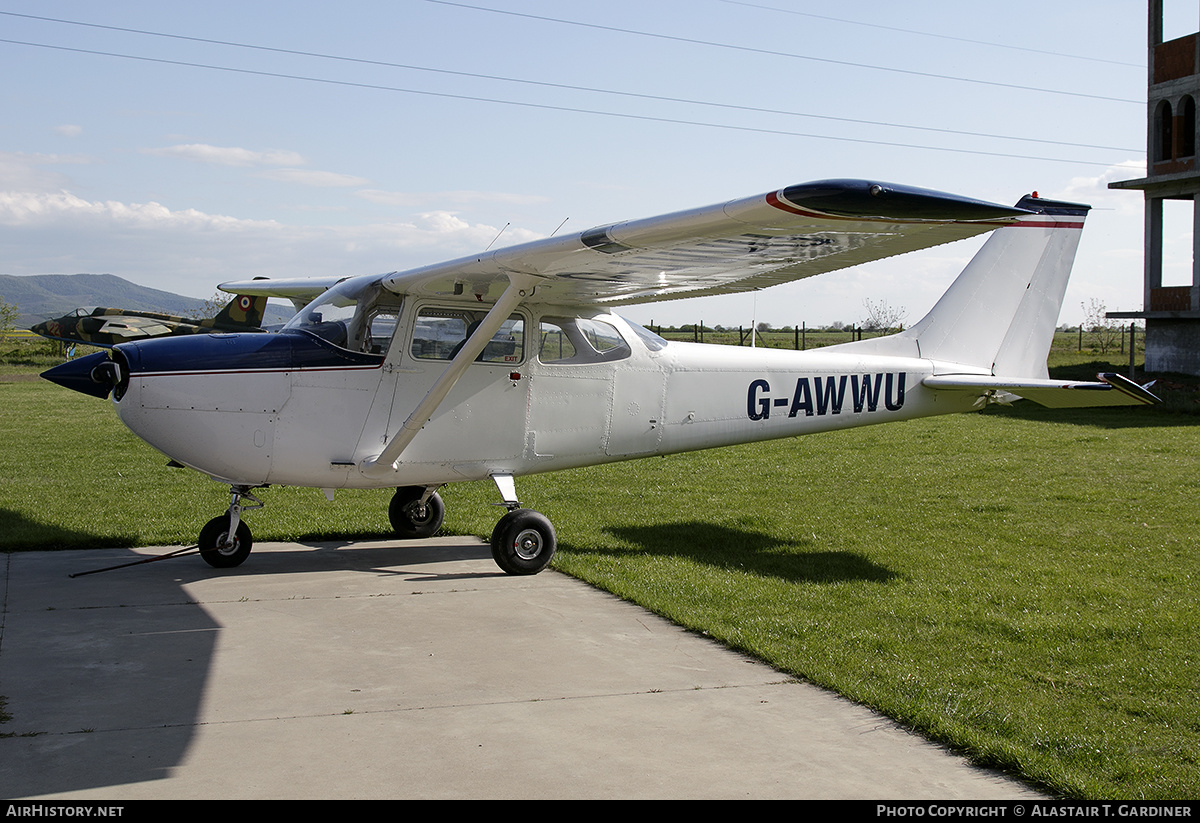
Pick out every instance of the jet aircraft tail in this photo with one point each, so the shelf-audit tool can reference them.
(242, 312)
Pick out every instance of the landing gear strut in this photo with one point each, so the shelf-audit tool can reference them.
(225, 540)
(524, 541)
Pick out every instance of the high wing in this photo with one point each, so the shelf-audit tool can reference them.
(738, 246)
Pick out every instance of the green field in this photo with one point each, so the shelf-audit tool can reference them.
(1019, 584)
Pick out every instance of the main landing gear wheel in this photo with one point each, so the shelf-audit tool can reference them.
(523, 542)
(218, 550)
(410, 518)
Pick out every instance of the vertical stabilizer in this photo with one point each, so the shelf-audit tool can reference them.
(241, 312)
(999, 315)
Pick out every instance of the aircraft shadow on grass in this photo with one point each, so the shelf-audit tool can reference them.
(1180, 395)
(795, 561)
(1102, 418)
(21, 533)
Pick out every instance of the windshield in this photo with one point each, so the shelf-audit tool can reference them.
(356, 314)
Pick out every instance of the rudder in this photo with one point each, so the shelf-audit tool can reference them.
(1000, 313)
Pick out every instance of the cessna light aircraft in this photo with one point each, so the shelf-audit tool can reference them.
(106, 327)
(511, 362)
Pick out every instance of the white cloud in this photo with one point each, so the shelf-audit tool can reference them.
(26, 172)
(455, 198)
(1094, 191)
(31, 209)
(227, 155)
(68, 130)
(190, 251)
(308, 177)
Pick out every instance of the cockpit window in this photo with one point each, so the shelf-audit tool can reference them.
(439, 334)
(359, 315)
(572, 340)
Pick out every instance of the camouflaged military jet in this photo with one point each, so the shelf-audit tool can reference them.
(106, 327)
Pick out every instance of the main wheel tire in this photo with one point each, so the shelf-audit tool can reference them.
(411, 520)
(523, 542)
(214, 534)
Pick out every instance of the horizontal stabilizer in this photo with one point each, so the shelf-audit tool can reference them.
(1111, 390)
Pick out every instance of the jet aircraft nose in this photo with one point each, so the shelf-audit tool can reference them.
(95, 375)
(44, 329)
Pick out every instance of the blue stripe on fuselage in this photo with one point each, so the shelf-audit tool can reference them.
(285, 351)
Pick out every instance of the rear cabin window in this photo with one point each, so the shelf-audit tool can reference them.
(577, 340)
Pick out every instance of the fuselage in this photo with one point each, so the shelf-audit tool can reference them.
(296, 408)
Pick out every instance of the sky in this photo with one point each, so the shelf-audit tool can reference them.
(182, 145)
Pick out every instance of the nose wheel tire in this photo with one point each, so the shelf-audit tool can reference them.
(523, 542)
(216, 548)
(409, 518)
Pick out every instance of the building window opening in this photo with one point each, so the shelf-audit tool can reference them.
(1163, 131)
(1187, 127)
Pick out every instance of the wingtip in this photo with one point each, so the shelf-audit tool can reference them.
(870, 198)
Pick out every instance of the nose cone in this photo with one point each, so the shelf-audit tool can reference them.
(92, 375)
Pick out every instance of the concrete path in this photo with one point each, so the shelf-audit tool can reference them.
(408, 670)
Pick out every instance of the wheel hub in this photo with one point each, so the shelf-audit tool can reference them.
(528, 544)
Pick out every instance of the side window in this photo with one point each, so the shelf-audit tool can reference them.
(439, 334)
(381, 326)
(556, 346)
(573, 340)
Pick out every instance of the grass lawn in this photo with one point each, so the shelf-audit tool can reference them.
(1020, 584)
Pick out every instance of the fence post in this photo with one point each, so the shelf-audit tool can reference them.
(1132, 348)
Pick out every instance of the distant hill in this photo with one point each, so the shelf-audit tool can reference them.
(43, 296)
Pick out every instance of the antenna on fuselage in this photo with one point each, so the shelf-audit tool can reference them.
(497, 237)
(560, 225)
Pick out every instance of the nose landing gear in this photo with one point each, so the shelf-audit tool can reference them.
(225, 540)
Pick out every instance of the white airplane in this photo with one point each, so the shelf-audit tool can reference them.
(511, 362)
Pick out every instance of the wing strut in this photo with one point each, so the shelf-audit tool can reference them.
(519, 285)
